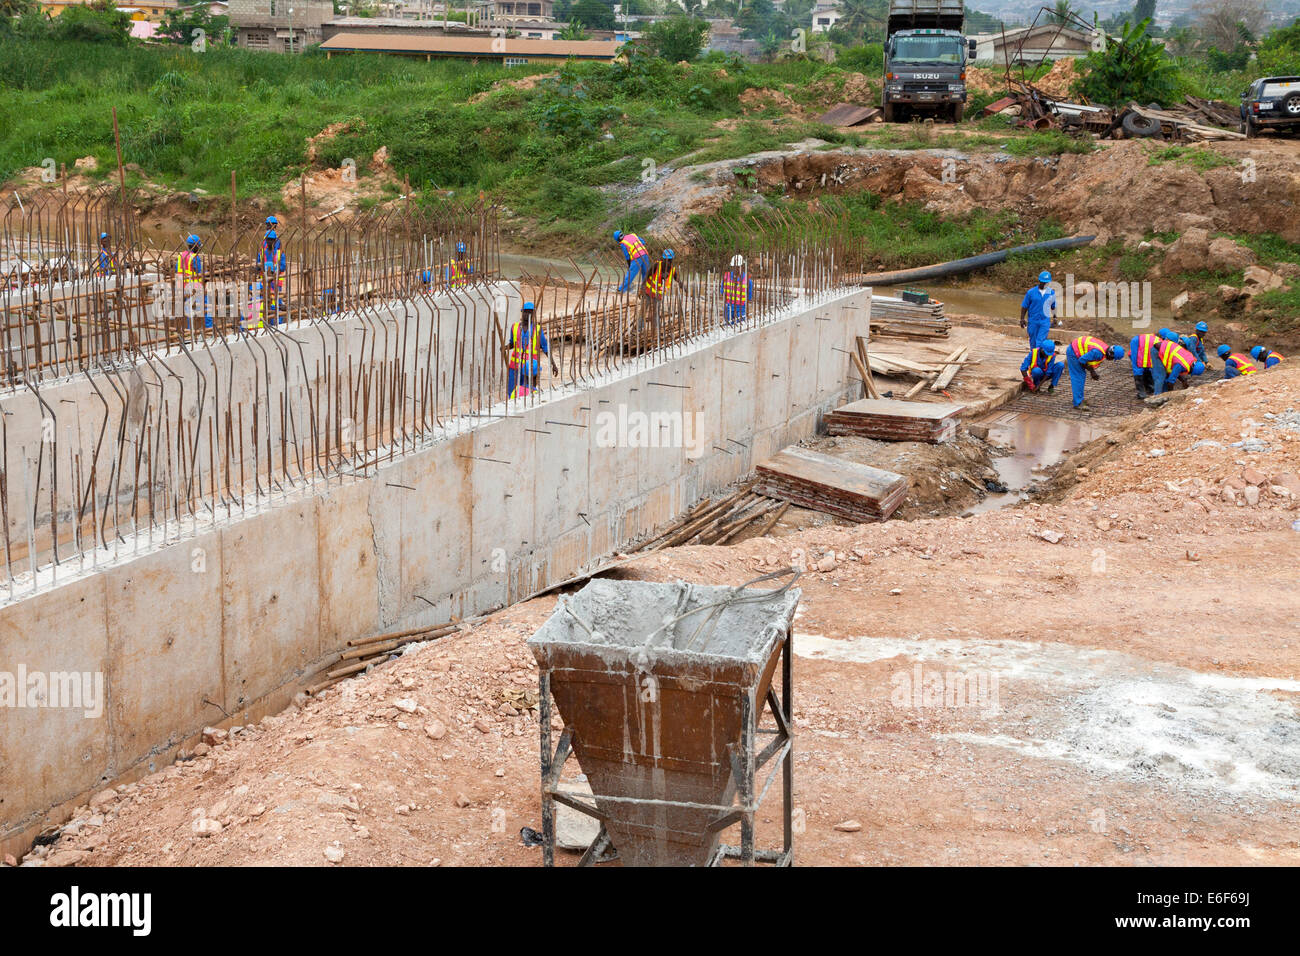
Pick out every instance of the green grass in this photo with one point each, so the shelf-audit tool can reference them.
(1049, 142)
(1198, 158)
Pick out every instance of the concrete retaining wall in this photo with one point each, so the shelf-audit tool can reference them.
(231, 619)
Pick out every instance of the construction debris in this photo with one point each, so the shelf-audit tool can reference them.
(837, 487)
(895, 420)
(849, 114)
(898, 317)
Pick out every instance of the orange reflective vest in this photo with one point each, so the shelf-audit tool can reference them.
(1085, 344)
(185, 266)
(735, 288)
(1146, 344)
(1171, 355)
(1270, 356)
(633, 246)
(457, 274)
(520, 353)
(1244, 365)
(660, 280)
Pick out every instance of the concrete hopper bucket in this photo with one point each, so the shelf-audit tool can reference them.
(662, 688)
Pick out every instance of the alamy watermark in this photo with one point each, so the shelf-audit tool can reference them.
(75, 690)
(919, 688)
(1103, 300)
(624, 428)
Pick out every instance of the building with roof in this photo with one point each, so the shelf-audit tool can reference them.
(279, 26)
(509, 51)
(151, 11)
(1031, 44)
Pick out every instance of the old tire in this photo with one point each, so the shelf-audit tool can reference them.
(1139, 126)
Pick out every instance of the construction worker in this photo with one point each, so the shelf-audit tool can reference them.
(657, 286)
(105, 264)
(737, 290)
(1178, 364)
(1265, 356)
(1147, 370)
(1037, 308)
(426, 281)
(1168, 335)
(524, 352)
(1083, 356)
(1235, 364)
(1041, 363)
(1197, 346)
(458, 271)
(272, 266)
(189, 274)
(637, 256)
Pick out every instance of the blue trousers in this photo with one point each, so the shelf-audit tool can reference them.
(734, 314)
(640, 266)
(1078, 373)
(1038, 330)
(1054, 372)
(1161, 381)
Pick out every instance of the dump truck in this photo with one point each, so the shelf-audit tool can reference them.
(925, 60)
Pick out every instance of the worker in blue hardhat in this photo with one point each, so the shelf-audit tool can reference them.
(1265, 356)
(657, 286)
(1082, 357)
(1037, 308)
(637, 257)
(457, 272)
(271, 268)
(105, 264)
(1234, 363)
(524, 351)
(1042, 365)
(189, 275)
(1198, 340)
(1169, 335)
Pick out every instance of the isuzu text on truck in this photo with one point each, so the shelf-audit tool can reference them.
(925, 60)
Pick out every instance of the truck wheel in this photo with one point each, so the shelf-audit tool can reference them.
(1291, 106)
(1140, 127)
(1250, 129)
(887, 111)
(958, 110)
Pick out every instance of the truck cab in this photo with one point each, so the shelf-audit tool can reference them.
(925, 60)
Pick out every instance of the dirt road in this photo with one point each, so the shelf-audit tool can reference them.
(1129, 691)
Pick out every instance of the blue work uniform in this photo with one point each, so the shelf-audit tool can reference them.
(1040, 364)
(1271, 358)
(1039, 304)
(1078, 359)
(1197, 346)
(638, 262)
(529, 366)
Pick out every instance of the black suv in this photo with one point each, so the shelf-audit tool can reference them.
(1272, 101)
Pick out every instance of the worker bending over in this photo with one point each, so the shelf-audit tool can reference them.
(1041, 363)
(737, 290)
(1082, 357)
(1197, 344)
(1148, 373)
(1265, 356)
(657, 286)
(636, 256)
(1234, 363)
(524, 354)
(1037, 308)
(1178, 365)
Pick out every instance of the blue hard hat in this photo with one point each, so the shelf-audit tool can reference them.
(618, 234)
(668, 253)
(1224, 350)
(1169, 335)
(1163, 333)
(1048, 346)
(193, 240)
(1202, 328)
(460, 247)
(103, 235)
(1198, 367)
(1257, 351)
(272, 221)
(529, 307)
(1044, 276)
(1116, 352)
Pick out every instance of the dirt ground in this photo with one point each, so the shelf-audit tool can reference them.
(1137, 643)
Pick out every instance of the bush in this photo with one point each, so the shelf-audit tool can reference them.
(868, 58)
(678, 38)
(1132, 68)
(100, 22)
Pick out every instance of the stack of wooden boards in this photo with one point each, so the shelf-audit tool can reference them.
(937, 374)
(838, 487)
(897, 317)
(717, 522)
(886, 419)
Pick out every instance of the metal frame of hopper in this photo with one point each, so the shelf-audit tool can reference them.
(745, 764)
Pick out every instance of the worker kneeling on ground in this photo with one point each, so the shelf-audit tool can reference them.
(1235, 364)
(524, 354)
(637, 257)
(737, 290)
(1036, 310)
(1042, 364)
(1265, 356)
(1082, 357)
(1147, 370)
(1178, 365)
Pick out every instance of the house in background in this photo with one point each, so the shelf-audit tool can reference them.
(280, 26)
(824, 16)
(1031, 44)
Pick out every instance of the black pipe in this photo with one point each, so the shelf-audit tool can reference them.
(960, 266)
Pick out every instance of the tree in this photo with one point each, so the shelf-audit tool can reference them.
(1061, 12)
(99, 22)
(15, 8)
(1279, 52)
(863, 19)
(1144, 10)
(573, 31)
(179, 25)
(594, 14)
(1221, 21)
(678, 38)
(1132, 68)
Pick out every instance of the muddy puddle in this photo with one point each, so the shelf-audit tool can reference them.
(1035, 443)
